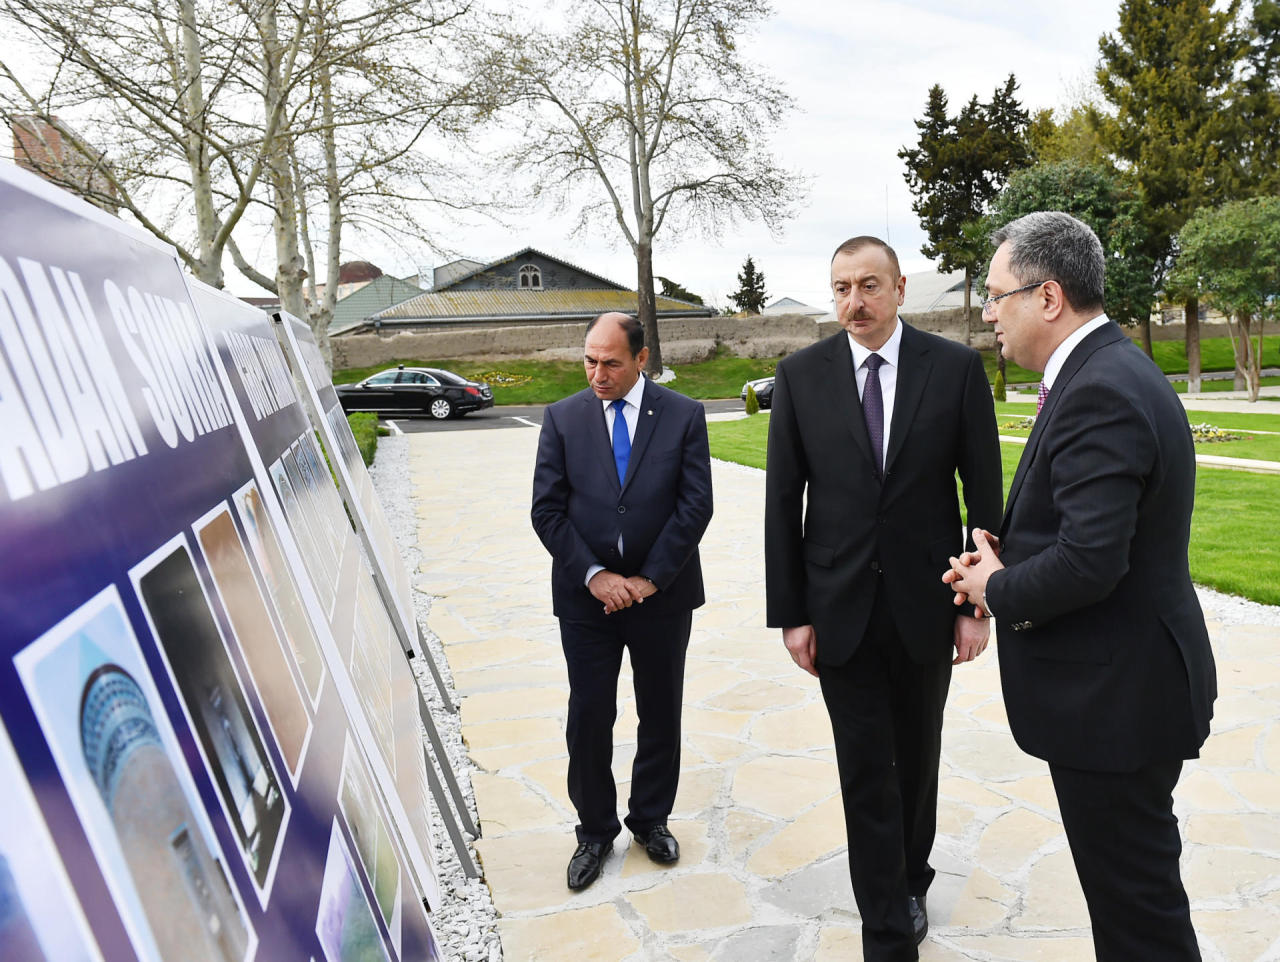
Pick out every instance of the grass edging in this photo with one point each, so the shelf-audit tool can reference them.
(364, 425)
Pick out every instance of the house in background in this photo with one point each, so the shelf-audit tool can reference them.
(789, 305)
(528, 287)
(53, 150)
(929, 291)
(369, 299)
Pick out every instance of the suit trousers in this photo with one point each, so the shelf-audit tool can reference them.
(593, 653)
(1125, 844)
(886, 717)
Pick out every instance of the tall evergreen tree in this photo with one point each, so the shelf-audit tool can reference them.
(1169, 73)
(671, 288)
(1258, 104)
(957, 168)
(1114, 211)
(750, 294)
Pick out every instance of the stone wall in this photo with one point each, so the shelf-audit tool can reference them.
(685, 340)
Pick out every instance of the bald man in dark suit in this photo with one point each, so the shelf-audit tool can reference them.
(621, 497)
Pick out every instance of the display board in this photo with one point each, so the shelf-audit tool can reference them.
(392, 577)
(199, 695)
(349, 469)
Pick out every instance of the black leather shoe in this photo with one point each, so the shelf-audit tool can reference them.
(919, 917)
(584, 867)
(660, 844)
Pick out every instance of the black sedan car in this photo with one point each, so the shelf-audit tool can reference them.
(764, 391)
(416, 390)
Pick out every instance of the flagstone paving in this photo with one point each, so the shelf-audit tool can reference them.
(763, 874)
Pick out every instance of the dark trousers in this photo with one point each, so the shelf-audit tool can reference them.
(1125, 843)
(886, 716)
(593, 653)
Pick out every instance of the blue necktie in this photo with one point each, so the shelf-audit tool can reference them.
(621, 440)
(873, 410)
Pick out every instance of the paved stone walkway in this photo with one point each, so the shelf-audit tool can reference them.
(763, 874)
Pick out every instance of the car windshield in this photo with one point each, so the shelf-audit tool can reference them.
(448, 377)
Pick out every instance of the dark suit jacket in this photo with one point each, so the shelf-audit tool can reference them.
(857, 531)
(661, 510)
(1104, 657)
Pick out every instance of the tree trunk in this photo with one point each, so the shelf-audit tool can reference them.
(1191, 317)
(289, 266)
(1255, 368)
(648, 308)
(1144, 326)
(1239, 349)
(968, 317)
(196, 146)
(333, 198)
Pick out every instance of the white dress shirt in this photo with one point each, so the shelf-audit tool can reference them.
(631, 414)
(888, 376)
(1053, 367)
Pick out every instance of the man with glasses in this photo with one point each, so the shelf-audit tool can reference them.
(1104, 658)
(868, 431)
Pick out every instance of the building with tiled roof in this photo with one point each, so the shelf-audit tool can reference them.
(527, 287)
(375, 296)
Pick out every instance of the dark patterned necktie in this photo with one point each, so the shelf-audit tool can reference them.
(873, 409)
(1040, 396)
(621, 440)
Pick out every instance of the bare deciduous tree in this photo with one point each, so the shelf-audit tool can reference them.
(198, 116)
(652, 106)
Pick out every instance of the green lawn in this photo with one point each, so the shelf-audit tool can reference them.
(541, 382)
(1215, 354)
(1263, 447)
(1235, 532)
(1212, 387)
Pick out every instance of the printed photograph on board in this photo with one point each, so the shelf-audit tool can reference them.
(323, 578)
(312, 515)
(411, 773)
(40, 918)
(345, 924)
(255, 631)
(362, 809)
(370, 671)
(216, 706)
(264, 544)
(123, 768)
(320, 486)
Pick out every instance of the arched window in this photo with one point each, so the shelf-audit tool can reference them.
(530, 277)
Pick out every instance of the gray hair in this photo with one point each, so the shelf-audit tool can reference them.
(1052, 246)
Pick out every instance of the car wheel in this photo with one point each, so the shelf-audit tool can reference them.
(440, 408)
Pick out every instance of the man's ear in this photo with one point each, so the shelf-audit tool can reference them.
(1055, 302)
(643, 357)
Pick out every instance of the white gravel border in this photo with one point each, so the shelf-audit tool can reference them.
(466, 922)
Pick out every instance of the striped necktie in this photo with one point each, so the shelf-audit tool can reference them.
(873, 409)
(1040, 396)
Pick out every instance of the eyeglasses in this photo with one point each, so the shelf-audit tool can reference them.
(989, 305)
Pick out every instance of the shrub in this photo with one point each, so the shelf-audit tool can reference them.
(998, 391)
(753, 402)
(364, 425)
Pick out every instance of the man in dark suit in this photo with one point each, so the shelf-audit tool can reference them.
(621, 497)
(868, 430)
(1104, 657)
